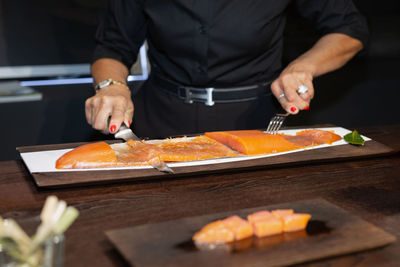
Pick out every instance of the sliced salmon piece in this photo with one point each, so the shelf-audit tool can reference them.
(214, 233)
(94, 155)
(240, 227)
(253, 142)
(321, 136)
(313, 137)
(282, 212)
(224, 231)
(267, 227)
(196, 148)
(261, 224)
(259, 215)
(295, 222)
(265, 224)
(292, 221)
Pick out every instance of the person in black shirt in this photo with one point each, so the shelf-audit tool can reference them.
(215, 64)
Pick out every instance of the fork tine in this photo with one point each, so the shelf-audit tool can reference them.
(283, 118)
(276, 123)
(271, 123)
(279, 124)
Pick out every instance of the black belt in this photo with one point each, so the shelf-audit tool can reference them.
(210, 95)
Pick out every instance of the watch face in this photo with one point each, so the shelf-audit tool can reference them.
(107, 83)
(104, 83)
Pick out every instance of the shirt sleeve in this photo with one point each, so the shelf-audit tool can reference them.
(121, 32)
(335, 16)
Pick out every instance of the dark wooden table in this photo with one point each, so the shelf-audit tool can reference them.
(368, 188)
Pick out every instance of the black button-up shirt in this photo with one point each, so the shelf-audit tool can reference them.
(218, 43)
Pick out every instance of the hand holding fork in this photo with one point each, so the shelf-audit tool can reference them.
(277, 121)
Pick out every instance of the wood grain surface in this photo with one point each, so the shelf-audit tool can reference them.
(88, 177)
(331, 232)
(366, 187)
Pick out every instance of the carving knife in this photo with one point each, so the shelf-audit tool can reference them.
(126, 134)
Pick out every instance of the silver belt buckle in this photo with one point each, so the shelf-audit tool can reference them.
(207, 98)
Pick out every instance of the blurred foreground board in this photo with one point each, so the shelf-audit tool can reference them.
(331, 232)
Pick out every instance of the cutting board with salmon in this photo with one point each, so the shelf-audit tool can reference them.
(330, 232)
(221, 151)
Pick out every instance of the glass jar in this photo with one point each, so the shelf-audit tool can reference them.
(50, 254)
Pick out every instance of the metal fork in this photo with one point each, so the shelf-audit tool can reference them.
(276, 122)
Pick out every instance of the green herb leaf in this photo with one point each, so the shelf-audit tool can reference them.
(354, 138)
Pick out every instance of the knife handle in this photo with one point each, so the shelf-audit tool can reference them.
(122, 127)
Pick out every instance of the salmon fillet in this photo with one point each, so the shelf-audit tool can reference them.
(208, 146)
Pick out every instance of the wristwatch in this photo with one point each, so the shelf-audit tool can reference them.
(108, 82)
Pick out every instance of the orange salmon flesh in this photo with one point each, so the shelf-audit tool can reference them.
(255, 142)
(260, 224)
(208, 146)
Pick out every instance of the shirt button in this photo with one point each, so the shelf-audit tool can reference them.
(200, 69)
(202, 30)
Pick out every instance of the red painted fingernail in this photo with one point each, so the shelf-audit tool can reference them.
(307, 108)
(293, 109)
(129, 124)
(113, 128)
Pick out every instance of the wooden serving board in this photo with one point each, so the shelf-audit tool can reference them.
(330, 232)
(86, 177)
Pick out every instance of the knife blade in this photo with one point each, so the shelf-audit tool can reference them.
(126, 134)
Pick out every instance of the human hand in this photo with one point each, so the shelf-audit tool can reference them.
(112, 101)
(286, 88)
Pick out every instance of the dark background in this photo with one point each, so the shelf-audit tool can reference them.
(364, 92)
(43, 32)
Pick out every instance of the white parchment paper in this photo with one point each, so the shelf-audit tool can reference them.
(45, 161)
